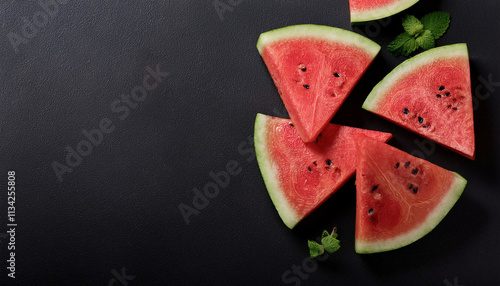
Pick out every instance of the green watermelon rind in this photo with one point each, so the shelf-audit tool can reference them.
(318, 32)
(433, 219)
(380, 12)
(269, 172)
(379, 92)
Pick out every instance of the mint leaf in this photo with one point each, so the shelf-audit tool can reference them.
(409, 47)
(331, 244)
(315, 249)
(404, 44)
(436, 22)
(412, 25)
(325, 234)
(426, 40)
(421, 33)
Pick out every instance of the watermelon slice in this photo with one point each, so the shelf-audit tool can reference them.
(300, 176)
(400, 198)
(314, 69)
(430, 94)
(368, 10)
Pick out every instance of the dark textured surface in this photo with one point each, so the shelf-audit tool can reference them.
(119, 207)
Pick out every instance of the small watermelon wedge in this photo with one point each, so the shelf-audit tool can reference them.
(399, 198)
(430, 94)
(314, 69)
(368, 10)
(301, 176)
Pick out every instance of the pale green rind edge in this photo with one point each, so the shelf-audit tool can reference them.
(381, 12)
(378, 93)
(318, 32)
(434, 218)
(270, 173)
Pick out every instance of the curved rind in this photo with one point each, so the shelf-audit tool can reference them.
(270, 174)
(381, 12)
(318, 32)
(433, 219)
(410, 65)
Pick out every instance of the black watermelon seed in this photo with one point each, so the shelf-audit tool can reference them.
(315, 164)
(420, 119)
(449, 106)
(397, 165)
(426, 126)
(410, 187)
(405, 111)
(336, 75)
(454, 108)
(407, 164)
(414, 171)
(441, 87)
(415, 190)
(329, 162)
(291, 124)
(370, 211)
(316, 140)
(309, 168)
(304, 69)
(320, 134)
(447, 94)
(374, 188)
(306, 86)
(438, 95)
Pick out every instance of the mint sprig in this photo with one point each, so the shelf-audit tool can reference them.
(436, 23)
(419, 33)
(329, 243)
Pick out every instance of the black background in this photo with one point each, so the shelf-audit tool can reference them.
(119, 208)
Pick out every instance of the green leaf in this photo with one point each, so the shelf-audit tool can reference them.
(315, 249)
(412, 25)
(426, 40)
(330, 244)
(404, 44)
(334, 235)
(325, 234)
(436, 23)
(409, 47)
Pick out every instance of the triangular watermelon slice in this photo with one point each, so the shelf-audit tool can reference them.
(368, 10)
(314, 69)
(301, 176)
(400, 198)
(430, 94)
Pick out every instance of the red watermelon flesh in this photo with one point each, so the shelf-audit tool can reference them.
(430, 94)
(314, 69)
(367, 10)
(362, 5)
(301, 176)
(400, 198)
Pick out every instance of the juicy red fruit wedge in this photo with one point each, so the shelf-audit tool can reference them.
(314, 69)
